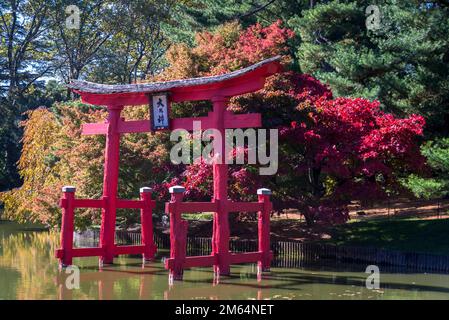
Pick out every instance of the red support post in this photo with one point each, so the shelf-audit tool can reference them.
(221, 232)
(178, 233)
(263, 220)
(110, 185)
(67, 225)
(146, 218)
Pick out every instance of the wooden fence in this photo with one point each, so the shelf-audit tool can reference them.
(289, 254)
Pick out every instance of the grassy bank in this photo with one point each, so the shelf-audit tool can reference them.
(396, 233)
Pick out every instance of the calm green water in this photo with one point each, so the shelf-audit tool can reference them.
(28, 270)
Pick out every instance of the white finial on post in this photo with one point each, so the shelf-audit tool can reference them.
(264, 191)
(177, 189)
(68, 189)
(146, 190)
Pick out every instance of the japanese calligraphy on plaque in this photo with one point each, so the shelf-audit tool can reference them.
(159, 112)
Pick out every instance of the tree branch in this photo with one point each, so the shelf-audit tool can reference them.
(254, 11)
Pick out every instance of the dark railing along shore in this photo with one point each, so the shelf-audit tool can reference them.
(291, 254)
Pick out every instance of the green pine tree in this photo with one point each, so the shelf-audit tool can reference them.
(437, 186)
(403, 63)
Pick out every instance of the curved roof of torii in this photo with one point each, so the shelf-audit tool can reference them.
(238, 82)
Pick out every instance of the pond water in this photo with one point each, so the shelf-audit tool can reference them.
(28, 270)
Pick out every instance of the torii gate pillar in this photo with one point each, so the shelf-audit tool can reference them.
(110, 184)
(220, 237)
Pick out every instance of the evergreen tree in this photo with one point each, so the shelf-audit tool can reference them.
(25, 57)
(403, 63)
(437, 185)
(196, 15)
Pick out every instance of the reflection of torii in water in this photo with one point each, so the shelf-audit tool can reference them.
(105, 279)
(255, 290)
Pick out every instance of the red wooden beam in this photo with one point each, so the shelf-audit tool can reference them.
(190, 262)
(191, 207)
(200, 261)
(205, 261)
(221, 231)
(110, 184)
(231, 121)
(230, 89)
(251, 120)
(113, 100)
(246, 257)
(81, 252)
(187, 123)
(263, 226)
(129, 249)
(146, 220)
(178, 233)
(87, 252)
(94, 128)
(59, 253)
(134, 126)
(249, 80)
(141, 98)
(96, 252)
(130, 204)
(88, 203)
(67, 226)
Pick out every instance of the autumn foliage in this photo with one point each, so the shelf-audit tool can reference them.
(349, 150)
(56, 154)
(332, 150)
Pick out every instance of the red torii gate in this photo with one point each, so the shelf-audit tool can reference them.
(218, 89)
